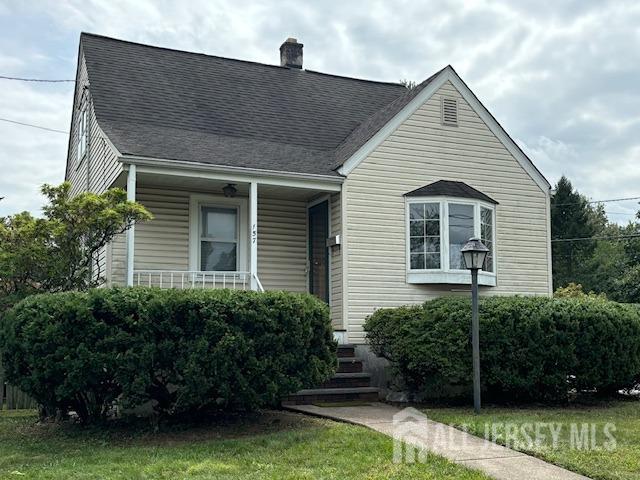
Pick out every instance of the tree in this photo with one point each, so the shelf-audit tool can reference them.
(60, 251)
(572, 217)
(628, 285)
(408, 84)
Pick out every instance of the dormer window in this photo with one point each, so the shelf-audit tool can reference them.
(81, 146)
(441, 218)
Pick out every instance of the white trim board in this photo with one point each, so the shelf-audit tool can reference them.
(344, 259)
(234, 174)
(448, 74)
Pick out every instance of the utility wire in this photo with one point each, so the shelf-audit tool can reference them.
(40, 80)
(597, 201)
(33, 126)
(620, 237)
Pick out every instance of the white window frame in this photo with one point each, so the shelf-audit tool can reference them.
(445, 274)
(81, 145)
(196, 202)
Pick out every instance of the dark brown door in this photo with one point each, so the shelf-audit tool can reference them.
(318, 252)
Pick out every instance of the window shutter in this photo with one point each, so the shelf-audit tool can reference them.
(450, 112)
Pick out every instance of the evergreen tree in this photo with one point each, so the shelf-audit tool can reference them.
(572, 217)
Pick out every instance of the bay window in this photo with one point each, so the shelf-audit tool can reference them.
(437, 229)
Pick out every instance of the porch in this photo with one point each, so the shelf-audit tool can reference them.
(227, 230)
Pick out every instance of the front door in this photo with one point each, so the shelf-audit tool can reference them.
(318, 251)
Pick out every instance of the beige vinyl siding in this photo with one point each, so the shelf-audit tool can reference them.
(76, 169)
(99, 267)
(163, 243)
(118, 265)
(103, 164)
(99, 168)
(419, 152)
(282, 244)
(335, 255)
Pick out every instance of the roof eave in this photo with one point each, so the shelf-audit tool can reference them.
(229, 170)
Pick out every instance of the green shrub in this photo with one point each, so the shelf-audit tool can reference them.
(575, 290)
(182, 351)
(531, 348)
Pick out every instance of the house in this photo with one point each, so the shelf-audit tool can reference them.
(276, 177)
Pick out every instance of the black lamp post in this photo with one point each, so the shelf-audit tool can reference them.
(474, 254)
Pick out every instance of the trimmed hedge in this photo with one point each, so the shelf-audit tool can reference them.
(531, 348)
(182, 350)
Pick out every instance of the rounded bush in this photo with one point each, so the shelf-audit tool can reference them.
(177, 350)
(531, 348)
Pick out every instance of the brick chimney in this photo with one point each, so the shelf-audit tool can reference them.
(291, 53)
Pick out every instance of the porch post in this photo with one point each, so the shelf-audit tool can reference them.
(131, 196)
(253, 224)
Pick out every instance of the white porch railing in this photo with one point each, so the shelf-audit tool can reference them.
(195, 279)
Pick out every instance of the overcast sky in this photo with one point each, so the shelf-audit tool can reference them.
(563, 77)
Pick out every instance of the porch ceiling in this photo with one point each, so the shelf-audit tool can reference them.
(214, 186)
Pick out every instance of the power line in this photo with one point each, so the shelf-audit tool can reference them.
(40, 80)
(33, 126)
(597, 201)
(619, 237)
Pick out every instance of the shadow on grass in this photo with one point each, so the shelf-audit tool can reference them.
(131, 431)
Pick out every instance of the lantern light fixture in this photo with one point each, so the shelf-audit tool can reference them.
(474, 253)
(230, 190)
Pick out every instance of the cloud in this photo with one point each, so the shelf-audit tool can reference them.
(562, 77)
(31, 157)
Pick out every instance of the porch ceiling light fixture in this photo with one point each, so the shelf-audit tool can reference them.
(230, 190)
(474, 252)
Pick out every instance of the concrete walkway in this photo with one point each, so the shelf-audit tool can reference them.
(413, 428)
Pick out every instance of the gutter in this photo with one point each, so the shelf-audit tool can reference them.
(152, 161)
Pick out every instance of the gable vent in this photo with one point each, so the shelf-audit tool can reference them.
(450, 112)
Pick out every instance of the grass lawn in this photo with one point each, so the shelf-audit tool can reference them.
(621, 463)
(273, 445)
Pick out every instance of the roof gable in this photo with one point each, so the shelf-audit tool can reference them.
(448, 188)
(448, 74)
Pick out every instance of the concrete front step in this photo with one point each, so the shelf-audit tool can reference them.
(364, 394)
(346, 350)
(349, 365)
(348, 380)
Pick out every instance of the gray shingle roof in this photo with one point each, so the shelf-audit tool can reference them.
(164, 103)
(448, 188)
(375, 122)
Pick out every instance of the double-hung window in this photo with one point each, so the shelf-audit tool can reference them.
(437, 229)
(218, 238)
(81, 146)
(217, 233)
